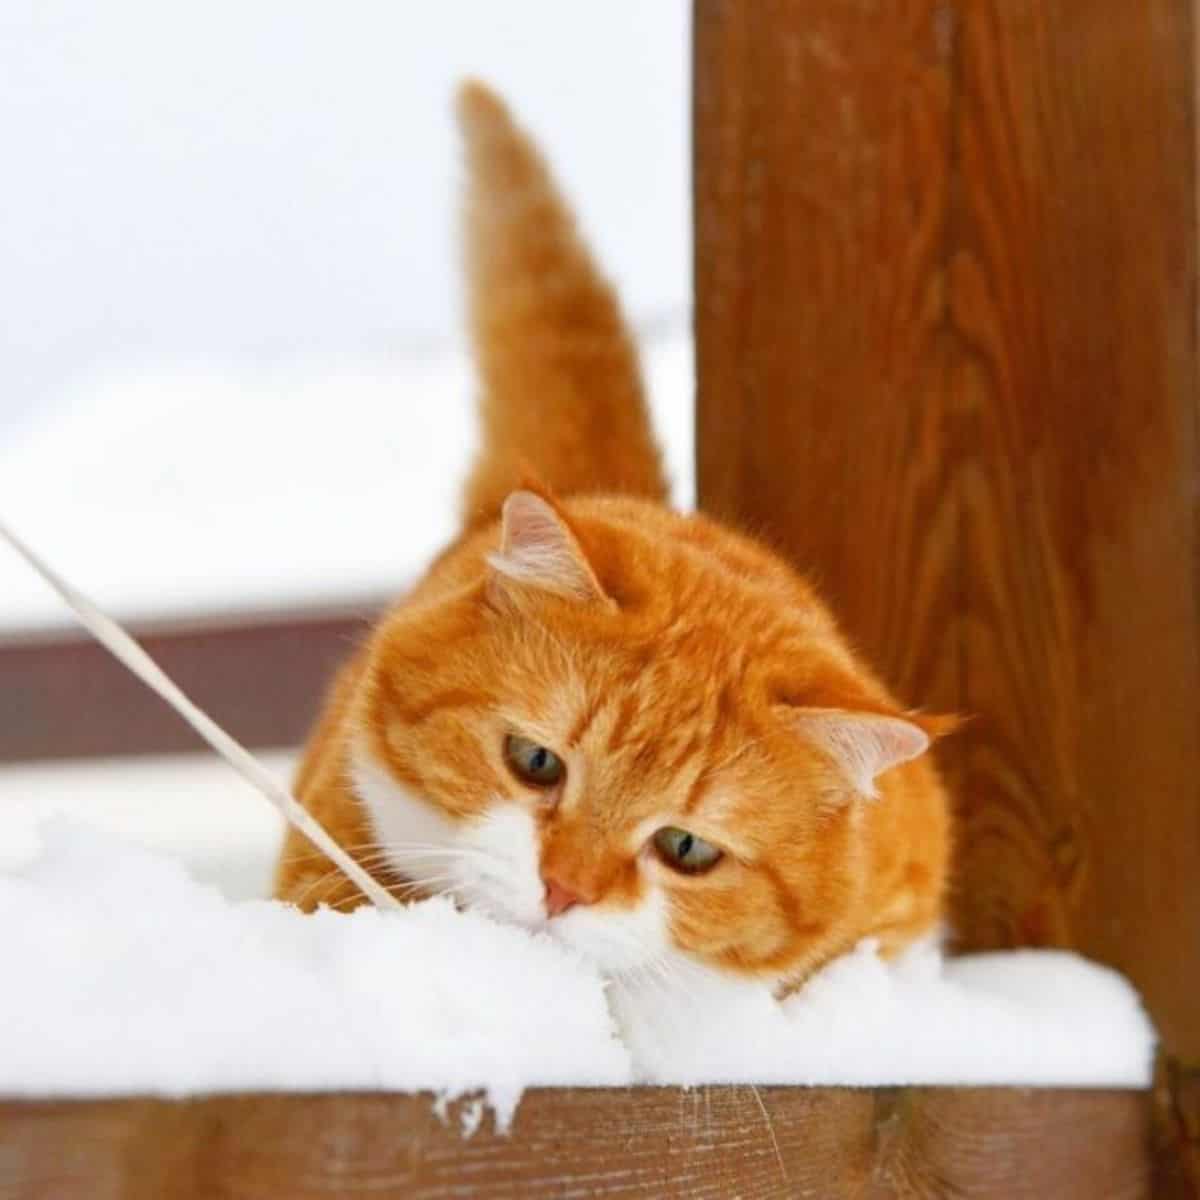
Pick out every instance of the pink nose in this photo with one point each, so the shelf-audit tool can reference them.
(558, 898)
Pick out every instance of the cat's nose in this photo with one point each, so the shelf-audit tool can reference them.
(558, 898)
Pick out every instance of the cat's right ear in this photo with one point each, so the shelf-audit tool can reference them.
(539, 550)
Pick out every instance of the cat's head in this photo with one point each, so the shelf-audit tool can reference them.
(632, 729)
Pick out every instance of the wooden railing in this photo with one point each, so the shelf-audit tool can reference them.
(65, 696)
(703, 1144)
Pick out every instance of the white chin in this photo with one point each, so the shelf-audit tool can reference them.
(492, 864)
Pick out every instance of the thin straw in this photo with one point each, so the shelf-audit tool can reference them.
(124, 648)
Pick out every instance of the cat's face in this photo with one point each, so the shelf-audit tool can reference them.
(625, 756)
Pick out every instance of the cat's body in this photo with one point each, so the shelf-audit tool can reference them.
(635, 729)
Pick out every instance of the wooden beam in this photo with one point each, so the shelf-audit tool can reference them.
(946, 317)
(64, 696)
(705, 1144)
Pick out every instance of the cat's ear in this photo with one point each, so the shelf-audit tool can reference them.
(539, 550)
(863, 744)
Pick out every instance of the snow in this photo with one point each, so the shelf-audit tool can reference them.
(229, 183)
(124, 975)
(188, 807)
(177, 493)
(1026, 1017)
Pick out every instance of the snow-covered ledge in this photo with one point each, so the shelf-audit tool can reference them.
(442, 1038)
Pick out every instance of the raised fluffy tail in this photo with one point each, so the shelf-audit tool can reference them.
(562, 402)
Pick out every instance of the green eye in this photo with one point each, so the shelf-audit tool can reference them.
(533, 764)
(685, 851)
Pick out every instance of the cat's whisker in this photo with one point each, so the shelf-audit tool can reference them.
(321, 881)
(335, 881)
(659, 976)
(427, 883)
(399, 847)
(418, 850)
(375, 856)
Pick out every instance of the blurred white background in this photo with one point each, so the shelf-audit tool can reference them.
(254, 181)
(228, 277)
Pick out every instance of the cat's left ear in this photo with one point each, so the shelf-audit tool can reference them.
(863, 744)
(538, 549)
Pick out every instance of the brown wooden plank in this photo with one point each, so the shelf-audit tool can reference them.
(1073, 294)
(946, 317)
(718, 1142)
(1023, 1144)
(822, 167)
(64, 696)
(1176, 1131)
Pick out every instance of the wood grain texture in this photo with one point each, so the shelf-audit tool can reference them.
(1176, 1131)
(1024, 1144)
(64, 696)
(947, 356)
(702, 1144)
(947, 360)
(1073, 298)
(822, 168)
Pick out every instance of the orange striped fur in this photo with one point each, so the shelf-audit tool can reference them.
(684, 674)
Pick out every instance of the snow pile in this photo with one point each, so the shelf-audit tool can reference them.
(1038, 1017)
(187, 807)
(123, 975)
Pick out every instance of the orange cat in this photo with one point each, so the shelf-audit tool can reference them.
(634, 729)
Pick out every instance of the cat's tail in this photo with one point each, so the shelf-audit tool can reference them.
(562, 403)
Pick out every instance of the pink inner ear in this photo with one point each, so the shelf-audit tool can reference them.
(864, 744)
(538, 548)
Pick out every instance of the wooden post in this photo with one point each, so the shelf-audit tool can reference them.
(946, 318)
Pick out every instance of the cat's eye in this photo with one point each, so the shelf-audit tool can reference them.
(533, 764)
(685, 851)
